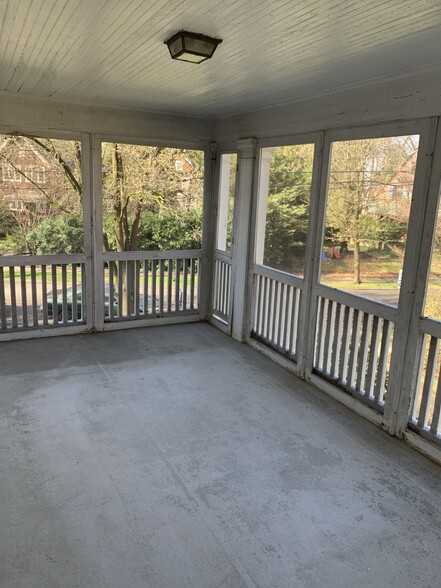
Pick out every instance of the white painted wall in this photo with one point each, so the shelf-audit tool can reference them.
(402, 99)
(18, 113)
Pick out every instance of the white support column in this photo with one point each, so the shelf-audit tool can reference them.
(208, 231)
(313, 256)
(242, 220)
(88, 224)
(422, 224)
(97, 240)
(262, 202)
(222, 203)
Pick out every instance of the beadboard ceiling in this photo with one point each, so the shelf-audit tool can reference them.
(111, 52)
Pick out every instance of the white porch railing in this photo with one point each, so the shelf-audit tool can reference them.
(46, 291)
(353, 344)
(222, 286)
(150, 284)
(275, 314)
(426, 407)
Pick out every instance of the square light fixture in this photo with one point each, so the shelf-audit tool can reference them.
(192, 47)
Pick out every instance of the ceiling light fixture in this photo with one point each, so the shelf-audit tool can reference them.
(192, 47)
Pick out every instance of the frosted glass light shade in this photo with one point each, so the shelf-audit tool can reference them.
(192, 47)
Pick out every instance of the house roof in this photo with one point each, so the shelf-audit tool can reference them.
(29, 146)
(112, 53)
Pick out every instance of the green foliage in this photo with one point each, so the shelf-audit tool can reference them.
(288, 205)
(286, 227)
(9, 246)
(390, 230)
(169, 230)
(290, 166)
(166, 230)
(369, 183)
(6, 218)
(141, 180)
(57, 234)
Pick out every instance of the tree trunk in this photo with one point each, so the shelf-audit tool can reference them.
(120, 225)
(126, 233)
(357, 276)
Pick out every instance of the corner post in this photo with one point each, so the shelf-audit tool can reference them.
(241, 243)
(261, 204)
(97, 239)
(208, 231)
(407, 344)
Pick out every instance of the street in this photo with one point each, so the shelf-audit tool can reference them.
(387, 296)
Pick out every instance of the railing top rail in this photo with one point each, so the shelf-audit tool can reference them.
(431, 327)
(278, 275)
(222, 256)
(22, 260)
(150, 255)
(385, 311)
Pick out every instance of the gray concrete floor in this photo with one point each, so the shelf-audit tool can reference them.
(175, 457)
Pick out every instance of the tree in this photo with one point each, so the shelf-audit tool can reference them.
(6, 218)
(139, 181)
(142, 186)
(46, 183)
(361, 174)
(57, 234)
(60, 188)
(168, 230)
(286, 227)
(288, 205)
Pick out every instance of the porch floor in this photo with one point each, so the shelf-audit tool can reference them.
(176, 457)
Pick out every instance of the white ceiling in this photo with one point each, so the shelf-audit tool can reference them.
(111, 52)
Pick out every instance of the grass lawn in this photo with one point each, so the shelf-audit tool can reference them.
(17, 274)
(379, 270)
(115, 283)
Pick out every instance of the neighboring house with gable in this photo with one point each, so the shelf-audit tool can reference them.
(394, 200)
(23, 171)
(188, 187)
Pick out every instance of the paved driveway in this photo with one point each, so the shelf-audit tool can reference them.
(388, 296)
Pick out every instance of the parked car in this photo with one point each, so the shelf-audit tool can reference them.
(79, 303)
(69, 301)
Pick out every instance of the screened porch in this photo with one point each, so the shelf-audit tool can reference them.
(374, 345)
(220, 294)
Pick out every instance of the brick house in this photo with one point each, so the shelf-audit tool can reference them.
(25, 176)
(394, 200)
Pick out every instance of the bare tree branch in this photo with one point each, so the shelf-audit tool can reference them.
(45, 194)
(50, 148)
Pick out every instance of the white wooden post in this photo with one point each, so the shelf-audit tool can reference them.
(222, 203)
(262, 202)
(97, 241)
(422, 224)
(242, 220)
(313, 257)
(88, 226)
(208, 232)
